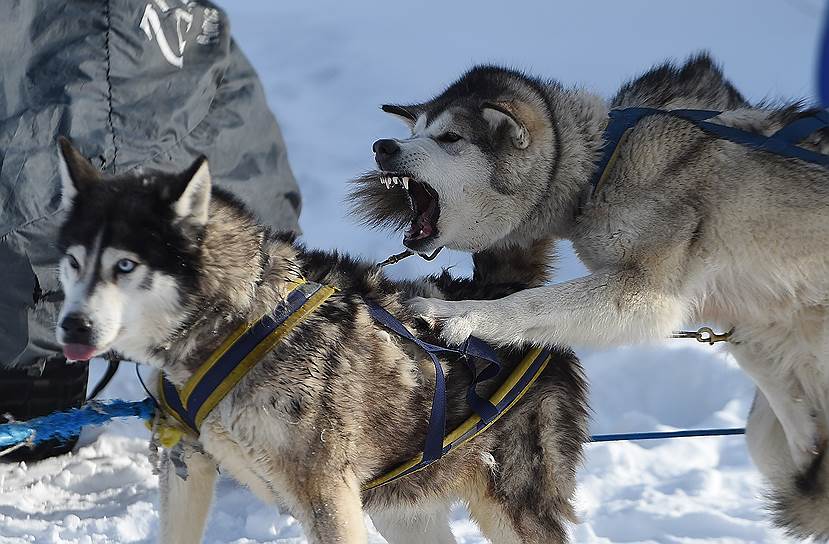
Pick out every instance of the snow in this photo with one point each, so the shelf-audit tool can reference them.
(326, 68)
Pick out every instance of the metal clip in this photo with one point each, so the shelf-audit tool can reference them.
(397, 257)
(177, 457)
(705, 335)
(29, 442)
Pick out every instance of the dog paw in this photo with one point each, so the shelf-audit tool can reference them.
(457, 320)
(456, 330)
(426, 309)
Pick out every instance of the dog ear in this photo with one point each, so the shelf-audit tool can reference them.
(407, 114)
(194, 199)
(498, 113)
(75, 171)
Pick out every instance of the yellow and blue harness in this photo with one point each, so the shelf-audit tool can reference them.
(240, 352)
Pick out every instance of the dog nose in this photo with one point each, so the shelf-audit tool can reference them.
(384, 149)
(77, 328)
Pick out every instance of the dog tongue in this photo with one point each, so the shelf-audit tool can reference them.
(78, 352)
(425, 226)
(421, 228)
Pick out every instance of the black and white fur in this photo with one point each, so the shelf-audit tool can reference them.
(685, 228)
(162, 267)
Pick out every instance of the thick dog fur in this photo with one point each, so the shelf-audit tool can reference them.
(685, 228)
(335, 404)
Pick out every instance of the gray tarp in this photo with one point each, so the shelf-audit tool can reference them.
(132, 83)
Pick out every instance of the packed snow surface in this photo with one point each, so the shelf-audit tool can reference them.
(326, 67)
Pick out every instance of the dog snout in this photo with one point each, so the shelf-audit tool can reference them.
(77, 329)
(384, 151)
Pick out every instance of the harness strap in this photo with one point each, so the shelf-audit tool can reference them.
(622, 120)
(504, 398)
(783, 142)
(797, 131)
(472, 348)
(245, 347)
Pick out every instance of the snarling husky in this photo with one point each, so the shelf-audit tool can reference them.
(162, 267)
(684, 226)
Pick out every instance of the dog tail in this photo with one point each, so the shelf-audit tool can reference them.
(800, 504)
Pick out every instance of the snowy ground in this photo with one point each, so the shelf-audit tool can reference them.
(326, 68)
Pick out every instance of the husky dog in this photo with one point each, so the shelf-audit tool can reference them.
(162, 267)
(685, 227)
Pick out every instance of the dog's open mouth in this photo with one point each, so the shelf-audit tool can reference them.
(425, 204)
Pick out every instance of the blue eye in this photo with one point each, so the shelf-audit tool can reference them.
(125, 266)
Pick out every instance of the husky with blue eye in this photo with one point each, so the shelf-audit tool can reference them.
(681, 226)
(162, 267)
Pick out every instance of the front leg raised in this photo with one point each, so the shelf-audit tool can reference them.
(612, 307)
(184, 503)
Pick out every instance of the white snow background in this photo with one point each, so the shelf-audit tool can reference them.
(326, 67)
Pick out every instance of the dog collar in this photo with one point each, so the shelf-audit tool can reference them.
(237, 355)
(783, 142)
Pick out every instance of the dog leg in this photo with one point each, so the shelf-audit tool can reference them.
(414, 527)
(493, 521)
(787, 401)
(330, 508)
(184, 504)
(614, 307)
(766, 441)
(516, 523)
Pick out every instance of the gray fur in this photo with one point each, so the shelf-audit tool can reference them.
(685, 228)
(338, 402)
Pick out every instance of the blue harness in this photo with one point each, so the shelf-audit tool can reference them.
(487, 411)
(783, 142)
(232, 360)
(240, 352)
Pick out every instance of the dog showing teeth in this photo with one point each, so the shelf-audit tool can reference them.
(391, 181)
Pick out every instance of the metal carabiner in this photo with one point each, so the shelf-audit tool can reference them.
(705, 335)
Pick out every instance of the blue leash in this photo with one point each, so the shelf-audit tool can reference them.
(70, 422)
(659, 435)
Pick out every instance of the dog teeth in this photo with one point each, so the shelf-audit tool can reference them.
(391, 181)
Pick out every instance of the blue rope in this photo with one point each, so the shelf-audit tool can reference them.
(664, 434)
(68, 423)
